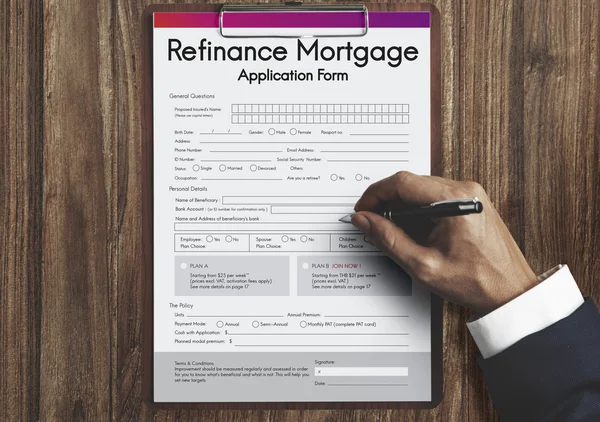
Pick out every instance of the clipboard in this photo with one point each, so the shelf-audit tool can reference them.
(225, 12)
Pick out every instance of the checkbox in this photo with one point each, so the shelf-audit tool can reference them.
(378, 118)
(310, 118)
(371, 118)
(289, 108)
(351, 118)
(310, 108)
(234, 108)
(296, 118)
(303, 118)
(261, 108)
(261, 118)
(344, 108)
(254, 108)
(344, 118)
(269, 108)
(296, 108)
(337, 118)
(302, 108)
(330, 118)
(337, 108)
(269, 118)
(392, 108)
(371, 108)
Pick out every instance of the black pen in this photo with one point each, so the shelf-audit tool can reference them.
(448, 208)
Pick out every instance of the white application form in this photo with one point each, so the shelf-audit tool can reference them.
(260, 146)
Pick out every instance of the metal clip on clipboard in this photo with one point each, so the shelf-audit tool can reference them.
(292, 7)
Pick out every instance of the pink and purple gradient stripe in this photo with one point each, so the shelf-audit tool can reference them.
(292, 20)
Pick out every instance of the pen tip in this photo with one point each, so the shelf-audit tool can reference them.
(346, 218)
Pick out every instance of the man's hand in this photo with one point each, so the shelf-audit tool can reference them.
(472, 260)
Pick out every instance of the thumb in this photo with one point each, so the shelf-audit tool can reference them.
(393, 241)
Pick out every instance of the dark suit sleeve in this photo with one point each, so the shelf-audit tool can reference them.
(551, 375)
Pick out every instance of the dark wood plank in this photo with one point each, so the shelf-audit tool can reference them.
(453, 405)
(21, 148)
(126, 56)
(79, 249)
(489, 147)
(562, 137)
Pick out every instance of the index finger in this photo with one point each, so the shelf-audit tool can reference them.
(406, 187)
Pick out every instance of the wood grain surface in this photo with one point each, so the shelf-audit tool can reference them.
(520, 114)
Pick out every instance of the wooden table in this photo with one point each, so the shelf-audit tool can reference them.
(521, 115)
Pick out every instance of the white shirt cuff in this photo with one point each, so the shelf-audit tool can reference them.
(555, 298)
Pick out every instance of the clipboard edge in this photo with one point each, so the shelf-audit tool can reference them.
(147, 298)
